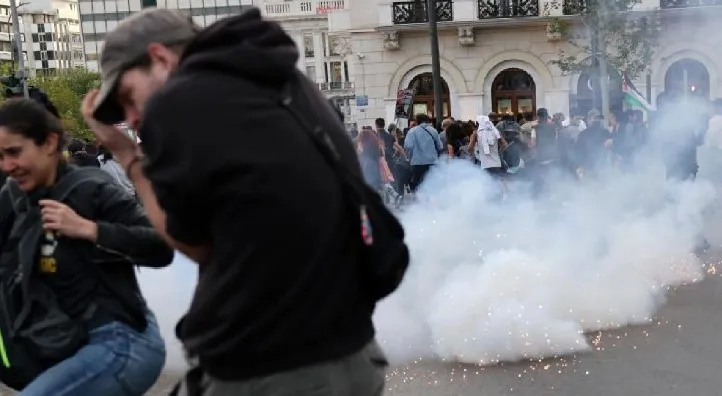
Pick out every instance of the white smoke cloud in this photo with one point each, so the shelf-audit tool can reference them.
(494, 282)
(169, 292)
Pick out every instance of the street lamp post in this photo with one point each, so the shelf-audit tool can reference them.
(435, 63)
(19, 45)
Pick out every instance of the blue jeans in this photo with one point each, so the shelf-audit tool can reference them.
(117, 361)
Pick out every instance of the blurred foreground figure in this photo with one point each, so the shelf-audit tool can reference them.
(248, 171)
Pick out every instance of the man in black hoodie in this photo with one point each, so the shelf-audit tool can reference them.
(231, 180)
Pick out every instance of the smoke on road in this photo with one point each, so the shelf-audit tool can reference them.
(496, 282)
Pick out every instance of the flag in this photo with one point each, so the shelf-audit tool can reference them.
(633, 98)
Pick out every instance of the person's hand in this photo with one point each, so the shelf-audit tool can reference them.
(60, 218)
(110, 136)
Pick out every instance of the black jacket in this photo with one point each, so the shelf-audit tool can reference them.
(101, 272)
(234, 171)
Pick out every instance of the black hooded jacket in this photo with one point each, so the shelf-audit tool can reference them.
(233, 171)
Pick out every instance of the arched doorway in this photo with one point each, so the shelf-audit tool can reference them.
(513, 91)
(423, 87)
(687, 77)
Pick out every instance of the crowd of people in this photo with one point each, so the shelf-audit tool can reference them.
(537, 149)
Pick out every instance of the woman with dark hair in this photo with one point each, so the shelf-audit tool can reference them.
(455, 136)
(83, 236)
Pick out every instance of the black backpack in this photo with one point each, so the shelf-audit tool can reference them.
(384, 255)
(35, 333)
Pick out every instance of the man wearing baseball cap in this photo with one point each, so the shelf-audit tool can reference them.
(229, 179)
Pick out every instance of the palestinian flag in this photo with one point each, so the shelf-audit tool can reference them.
(633, 98)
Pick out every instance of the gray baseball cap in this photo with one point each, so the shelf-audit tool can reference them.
(127, 45)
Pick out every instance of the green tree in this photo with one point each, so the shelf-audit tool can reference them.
(66, 90)
(607, 35)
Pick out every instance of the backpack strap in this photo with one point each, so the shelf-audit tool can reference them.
(12, 195)
(75, 178)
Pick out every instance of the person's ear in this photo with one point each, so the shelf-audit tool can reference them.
(163, 55)
(51, 144)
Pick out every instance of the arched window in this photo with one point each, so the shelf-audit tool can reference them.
(513, 91)
(423, 87)
(687, 77)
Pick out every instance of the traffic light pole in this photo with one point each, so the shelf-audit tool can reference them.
(19, 45)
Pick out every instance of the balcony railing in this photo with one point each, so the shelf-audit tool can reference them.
(574, 7)
(489, 9)
(336, 86)
(666, 4)
(302, 8)
(404, 12)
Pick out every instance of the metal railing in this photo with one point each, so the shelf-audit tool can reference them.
(490, 9)
(300, 8)
(667, 4)
(336, 86)
(404, 12)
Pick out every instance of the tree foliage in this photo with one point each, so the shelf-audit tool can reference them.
(627, 40)
(66, 90)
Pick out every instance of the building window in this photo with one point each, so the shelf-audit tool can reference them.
(311, 73)
(336, 72)
(148, 3)
(94, 36)
(334, 46)
(308, 46)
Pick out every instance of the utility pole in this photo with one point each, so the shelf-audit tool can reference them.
(435, 63)
(20, 73)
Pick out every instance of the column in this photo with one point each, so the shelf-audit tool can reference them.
(301, 63)
(318, 56)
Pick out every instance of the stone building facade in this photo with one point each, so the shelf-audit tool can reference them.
(501, 61)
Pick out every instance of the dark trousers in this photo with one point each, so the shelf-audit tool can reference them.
(360, 374)
(418, 174)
